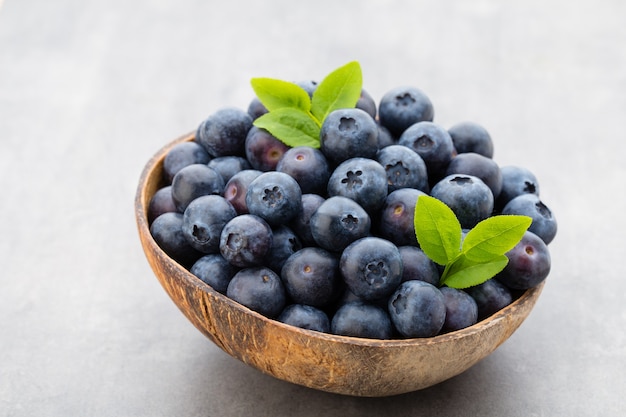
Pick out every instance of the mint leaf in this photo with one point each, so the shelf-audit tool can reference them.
(339, 90)
(494, 236)
(437, 229)
(276, 94)
(465, 273)
(292, 126)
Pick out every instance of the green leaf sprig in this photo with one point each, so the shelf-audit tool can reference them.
(474, 259)
(296, 118)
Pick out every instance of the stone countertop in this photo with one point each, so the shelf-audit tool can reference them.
(90, 90)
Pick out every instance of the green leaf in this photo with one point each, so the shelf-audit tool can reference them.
(277, 94)
(494, 236)
(465, 273)
(437, 229)
(338, 90)
(292, 126)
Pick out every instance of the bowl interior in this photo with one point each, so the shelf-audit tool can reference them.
(339, 364)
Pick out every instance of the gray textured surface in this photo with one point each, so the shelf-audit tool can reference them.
(89, 90)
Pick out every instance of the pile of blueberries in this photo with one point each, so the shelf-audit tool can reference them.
(323, 238)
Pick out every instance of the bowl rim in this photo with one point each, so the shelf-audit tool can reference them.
(142, 200)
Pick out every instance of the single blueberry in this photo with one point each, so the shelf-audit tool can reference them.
(194, 181)
(203, 221)
(227, 166)
(402, 107)
(461, 309)
(404, 168)
(433, 143)
(471, 137)
(246, 240)
(167, 232)
(260, 289)
(161, 202)
(362, 180)
(237, 187)
(529, 263)
(224, 132)
(359, 319)
(305, 317)
(308, 166)
(348, 133)
(275, 197)
(263, 150)
(181, 155)
(301, 224)
(371, 267)
(516, 181)
(543, 223)
(337, 222)
(491, 296)
(215, 271)
(468, 197)
(417, 309)
(284, 244)
(416, 265)
(396, 219)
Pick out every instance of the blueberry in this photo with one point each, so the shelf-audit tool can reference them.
(471, 137)
(308, 166)
(404, 168)
(385, 138)
(181, 155)
(311, 276)
(461, 309)
(194, 181)
(203, 221)
(417, 266)
(246, 240)
(543, 221)
(256, 109)
(227, 166)
(301, 224)
(307, 85)
(161, 202)
(516, 181)
(402, 107)
(260, 289)
(358, 319)
(337, 222)
(367, 104)
(275, 197)
(395, 222)
(529, 263)
(237, 187)
(224, 132)
(479, 166)
(215, 271)
(469, 198)
(417, 309)
(433, 143)
(305, 317)
(348, 133)
(371, 267)
(362, 180)
(491, 296)
(284, 244)
(167, 232)
(263, 150)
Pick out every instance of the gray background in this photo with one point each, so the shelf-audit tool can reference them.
(90, 90)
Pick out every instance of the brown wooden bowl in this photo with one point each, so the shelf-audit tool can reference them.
(339, 364)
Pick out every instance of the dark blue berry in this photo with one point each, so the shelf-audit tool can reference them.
(224, 132)
(227, 166)
(246, 240)
(469, 198)
(305, 317)
(263, 150)
(433, 143)
(491, 296)
(417, 309)
(371, 267)
(543, 223)
(203, 221)
(167, 232)
(348, 133)
(181, 155)
(479, 166)
(402, 107)
(275, 197)
(161, 202)
(308, 166)
(417, 266)
(301, 224)
(404, 168)
(529, 263)
(337, 222)
(215, 271)
(461, 309)
(284, 244)
(516, 181)
(359, 319)
(260, 289)
(194, 181)
(362, 180)
(471, 137)
(396, 220)
(237, 187)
